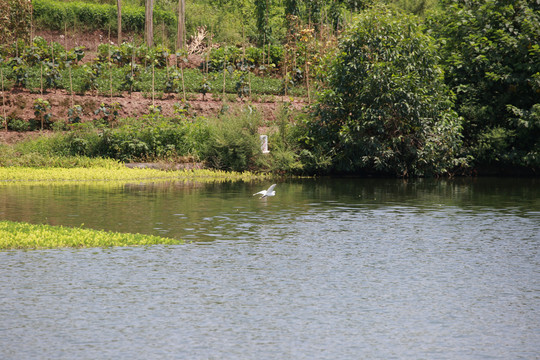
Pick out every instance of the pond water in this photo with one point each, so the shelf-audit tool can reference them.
(326, 269)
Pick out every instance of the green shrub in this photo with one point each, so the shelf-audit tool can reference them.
(151, 138)
(16, 124)
(41, 111)
(491, 51)
(234, 142)
(254, 57)
(387, 109)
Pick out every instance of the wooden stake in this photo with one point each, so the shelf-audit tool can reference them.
(132, 62)
(244, 58)
(208, 52)
(119, 20)
(31, 23)
(163, 33)
(183, 85)
(3, 98)
(153, 79)
(224, 69)
(109, 54)
(307, 72)
(41, 79)
(181, 33)
(70, 78)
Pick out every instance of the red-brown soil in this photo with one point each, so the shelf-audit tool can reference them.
(19, 104)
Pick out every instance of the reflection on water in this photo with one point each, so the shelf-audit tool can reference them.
(205, 212)
(326, 269)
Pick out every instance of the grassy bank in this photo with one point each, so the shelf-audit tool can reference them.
(14, 235)
(229, 142)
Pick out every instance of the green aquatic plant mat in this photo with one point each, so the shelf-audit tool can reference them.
(15, 235)
(10, 175)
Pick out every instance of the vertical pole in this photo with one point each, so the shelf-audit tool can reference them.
(31, 22)
(109, 62)
(3, 98)
(183, 83)
(41, 78)
(224, 69)
(132, 64)
(181, 34)
(149, 23)
(119, 20)
(307, 71)
(70, 78)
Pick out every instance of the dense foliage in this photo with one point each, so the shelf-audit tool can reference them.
(234, 143)
(402, 95)
(491, 53)
(386, 108)
(40, 66)
(58, 14)
(15, 20)
(232, 21)
(230, 142)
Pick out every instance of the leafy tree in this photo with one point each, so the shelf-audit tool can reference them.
(491, 52)
(292, 7)
(386, 109)
(314, 8)
(262, 9)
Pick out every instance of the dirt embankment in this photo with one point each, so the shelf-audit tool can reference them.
(19, 104)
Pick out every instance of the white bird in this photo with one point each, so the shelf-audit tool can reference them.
(265, 193)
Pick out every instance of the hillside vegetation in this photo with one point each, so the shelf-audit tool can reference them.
(401, 88)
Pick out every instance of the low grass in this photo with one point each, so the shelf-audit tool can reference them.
(16, 235)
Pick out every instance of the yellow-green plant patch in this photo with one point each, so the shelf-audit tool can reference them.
(16, 235)
(10, 175)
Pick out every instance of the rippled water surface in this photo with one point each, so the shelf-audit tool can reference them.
(326, 269)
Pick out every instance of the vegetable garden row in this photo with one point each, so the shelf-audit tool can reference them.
(41, 66)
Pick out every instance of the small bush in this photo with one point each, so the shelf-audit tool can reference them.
(254, 57)
(17, 124)
(234, 142)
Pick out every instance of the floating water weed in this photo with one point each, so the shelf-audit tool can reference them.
(22, 175)
(14, 235)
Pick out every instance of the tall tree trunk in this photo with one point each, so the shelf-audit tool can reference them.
(180, 39)
(119, 17)
(149, 23)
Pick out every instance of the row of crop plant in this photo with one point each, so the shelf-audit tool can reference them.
(127, 68)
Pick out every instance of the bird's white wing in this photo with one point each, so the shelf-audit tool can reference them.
(271, 188)
(262, 192)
